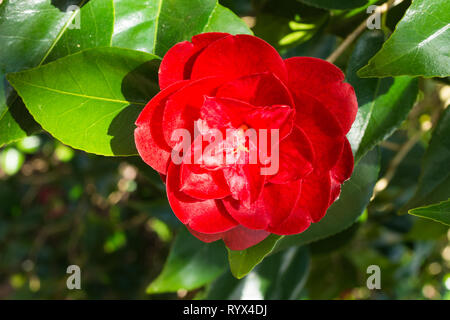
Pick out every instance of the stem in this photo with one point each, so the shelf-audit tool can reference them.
(403, 151)
(347, 42)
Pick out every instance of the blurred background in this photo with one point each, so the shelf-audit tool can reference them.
(110, 216)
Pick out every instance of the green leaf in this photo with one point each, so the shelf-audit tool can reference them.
(425, 230)
(419, 46)
(243, 261)
(95, 29)
(190, 265)
(439, 212)
(286, 272)
(37, 31)
(91, 99)
(154, 26)
(383, 103)
(355, 196)
(27, 31)
(224, 20)
(333, 4)
(434, 181)
(280, 276)
(16, 124)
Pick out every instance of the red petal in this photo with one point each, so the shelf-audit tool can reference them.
(203, 184)
(322, 129)
(324, 81)
(183, 108)
(245, 182)
(335, 191)
(341, 171)
(311, 207)
(148, 135)
(263, 89)
(237, 56)
(297, 222)
(207, 237)
(241, 238)
(296, 157)
(275, 204)
(273, 117)
(315, 196)
(205, 216)
(238, 238)
(225, 112)
(344, 167)
(178, 61)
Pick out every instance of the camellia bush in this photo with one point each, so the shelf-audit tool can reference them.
(235, 149)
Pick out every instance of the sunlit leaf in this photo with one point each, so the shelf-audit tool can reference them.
(419, 46)
(154, 26)
(97, 93)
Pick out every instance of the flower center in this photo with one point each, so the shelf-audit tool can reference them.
(241, 139)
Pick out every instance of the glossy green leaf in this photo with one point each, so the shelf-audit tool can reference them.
(439, 212)
(434, 181)
(4, 94)
(419, 46)
(91, 99)
(355, 196)
(16, 123)
(243, 261)
(333, 4)
(36, 31)
(190, 265)
(91, 28)
(155, 26)
(425, 230)
(280, 276)
(383, 103)
(27, 31)
(286, 272)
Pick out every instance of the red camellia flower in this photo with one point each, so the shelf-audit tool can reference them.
(220, 83)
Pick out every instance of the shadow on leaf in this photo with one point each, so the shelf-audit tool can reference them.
(139, 87)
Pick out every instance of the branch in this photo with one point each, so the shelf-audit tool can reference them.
(355, 34)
